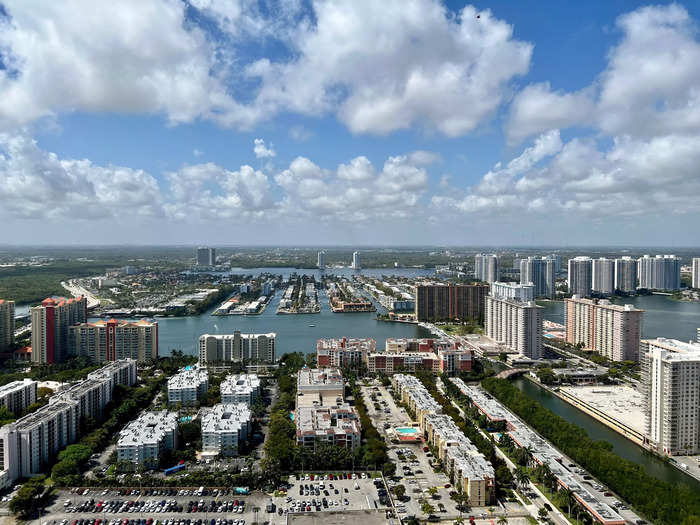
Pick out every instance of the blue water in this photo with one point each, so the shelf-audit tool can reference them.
(407, 430)
(293, 331)
(663, 317)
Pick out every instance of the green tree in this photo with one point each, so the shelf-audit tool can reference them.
(427, 508)
(568, 496)
(542, 513)
(399, 491)
(522, 478)
(30, 498)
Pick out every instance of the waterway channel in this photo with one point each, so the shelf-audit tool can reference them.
(621, 446)
(295, 333)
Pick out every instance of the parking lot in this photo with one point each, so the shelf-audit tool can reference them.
(413, 466)
(327, 493)
(161, 506)
(309, 494)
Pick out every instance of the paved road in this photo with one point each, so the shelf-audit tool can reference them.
(538, 502)
(77, 290)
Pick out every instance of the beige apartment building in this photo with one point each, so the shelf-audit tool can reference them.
(612, 330)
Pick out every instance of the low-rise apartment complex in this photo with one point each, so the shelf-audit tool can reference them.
(343, 352)
(225, 428)
(465, 465)
(468, 469)
(142, 441)
(240, 388)
(320, 387)
(410, 390)
(188, 386)
(334, 425)
(400, 355)
(322, 416)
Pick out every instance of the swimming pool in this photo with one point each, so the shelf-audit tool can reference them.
(407, 430)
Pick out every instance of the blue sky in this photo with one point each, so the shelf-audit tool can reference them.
(377, 123)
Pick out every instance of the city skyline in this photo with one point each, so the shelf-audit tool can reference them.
(215, 126)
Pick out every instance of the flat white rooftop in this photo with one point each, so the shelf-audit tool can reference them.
(619, 402)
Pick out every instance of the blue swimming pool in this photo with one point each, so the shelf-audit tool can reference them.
(407, 430)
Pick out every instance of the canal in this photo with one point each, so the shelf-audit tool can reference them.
(295, 333)
(621, 446)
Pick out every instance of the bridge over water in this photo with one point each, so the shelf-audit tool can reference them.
(511, 372)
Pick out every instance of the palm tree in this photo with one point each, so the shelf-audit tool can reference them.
(522, 478)
(502, 521)
(568, 496)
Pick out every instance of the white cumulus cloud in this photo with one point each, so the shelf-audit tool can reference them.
(261, 151)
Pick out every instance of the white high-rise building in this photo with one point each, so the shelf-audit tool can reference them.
(557, 261)
(486, 267)
(662, 272)
(356, 263)
(539, 271)
(519, 292)
(7, 324)
(671, 387)
(206, 256)
(695, 281)
(581, 276)
(321, 260)
(30, 444)
(18, 395)
(252, 348)
(603, 280)
(626, 275)
(515, 324)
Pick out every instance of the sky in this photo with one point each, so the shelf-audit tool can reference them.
(350, 122)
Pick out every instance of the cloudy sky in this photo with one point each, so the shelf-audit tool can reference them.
(349, 122)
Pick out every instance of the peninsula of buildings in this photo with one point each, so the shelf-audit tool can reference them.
(344, 297)
(300, 296)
